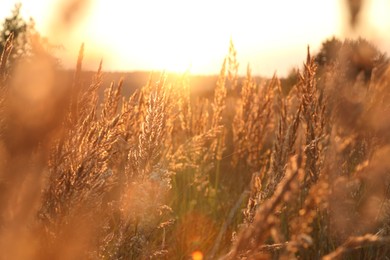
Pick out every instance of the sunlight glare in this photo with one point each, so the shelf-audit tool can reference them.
(176, 35)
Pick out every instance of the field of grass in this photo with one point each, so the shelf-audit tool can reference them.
(251, 169)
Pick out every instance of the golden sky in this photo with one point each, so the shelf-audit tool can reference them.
(177, 35)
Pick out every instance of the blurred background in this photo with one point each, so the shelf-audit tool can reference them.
(178, 35)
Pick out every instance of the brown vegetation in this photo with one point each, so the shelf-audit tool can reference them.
(250, 172)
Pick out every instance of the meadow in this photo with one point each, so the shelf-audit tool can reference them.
(250, 168)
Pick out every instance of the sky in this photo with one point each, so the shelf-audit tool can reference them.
(180, 35)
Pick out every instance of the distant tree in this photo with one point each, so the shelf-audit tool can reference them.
(14, 24)
(27, 42)
(361, 57)
(352, 57)
(329, 51)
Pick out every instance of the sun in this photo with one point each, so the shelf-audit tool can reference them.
(155, 35)
(177, 36)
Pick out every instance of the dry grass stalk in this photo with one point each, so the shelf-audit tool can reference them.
(283, 148)
(354, 243)
(313, 110)
(153, 130)
(256, 233)
(218, 105)
(76, 87)
(4, 58)
(3, 76)
(191, 154)
(232, 66)
(301, 226)
(113, 98)
(80, 176)
(201, 116)
(252, 121)
(185, 107)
